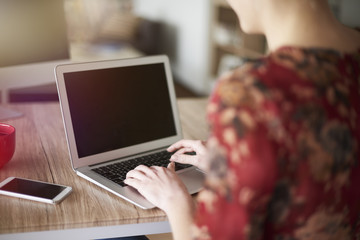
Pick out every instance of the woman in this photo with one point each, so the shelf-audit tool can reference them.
(283, 156)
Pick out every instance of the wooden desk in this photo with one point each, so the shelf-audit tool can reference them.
(89, 212)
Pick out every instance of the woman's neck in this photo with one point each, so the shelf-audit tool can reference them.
(310, 24)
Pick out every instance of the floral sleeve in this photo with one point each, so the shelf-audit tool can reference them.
(242, 167)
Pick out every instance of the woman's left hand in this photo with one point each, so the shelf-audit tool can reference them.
(161, 186)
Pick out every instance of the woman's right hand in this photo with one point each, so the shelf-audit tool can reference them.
(183, 147)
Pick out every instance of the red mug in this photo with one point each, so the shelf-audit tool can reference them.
(7, 143)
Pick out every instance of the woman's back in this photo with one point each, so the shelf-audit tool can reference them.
(288, 130)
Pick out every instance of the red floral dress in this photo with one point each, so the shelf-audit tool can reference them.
(284, 150)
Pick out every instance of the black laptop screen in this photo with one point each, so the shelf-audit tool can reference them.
(119, 107)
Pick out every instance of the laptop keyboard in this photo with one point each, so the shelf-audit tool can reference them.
(117, 172)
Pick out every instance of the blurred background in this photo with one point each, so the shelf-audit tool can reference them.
(202, 38)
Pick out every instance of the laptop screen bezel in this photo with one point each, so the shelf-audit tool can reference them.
(126, 151)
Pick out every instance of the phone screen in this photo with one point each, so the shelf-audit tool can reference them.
(32, 188)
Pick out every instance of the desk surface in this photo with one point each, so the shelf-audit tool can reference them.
(42, 154)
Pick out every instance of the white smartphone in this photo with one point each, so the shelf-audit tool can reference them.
(34, 190)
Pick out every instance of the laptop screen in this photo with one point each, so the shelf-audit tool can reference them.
(119, 107)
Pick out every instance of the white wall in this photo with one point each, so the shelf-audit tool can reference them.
(190, 19)
(350, 12)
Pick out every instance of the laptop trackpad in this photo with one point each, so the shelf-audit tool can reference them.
(193, 180)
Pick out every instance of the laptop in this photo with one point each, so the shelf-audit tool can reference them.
(117, 115)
